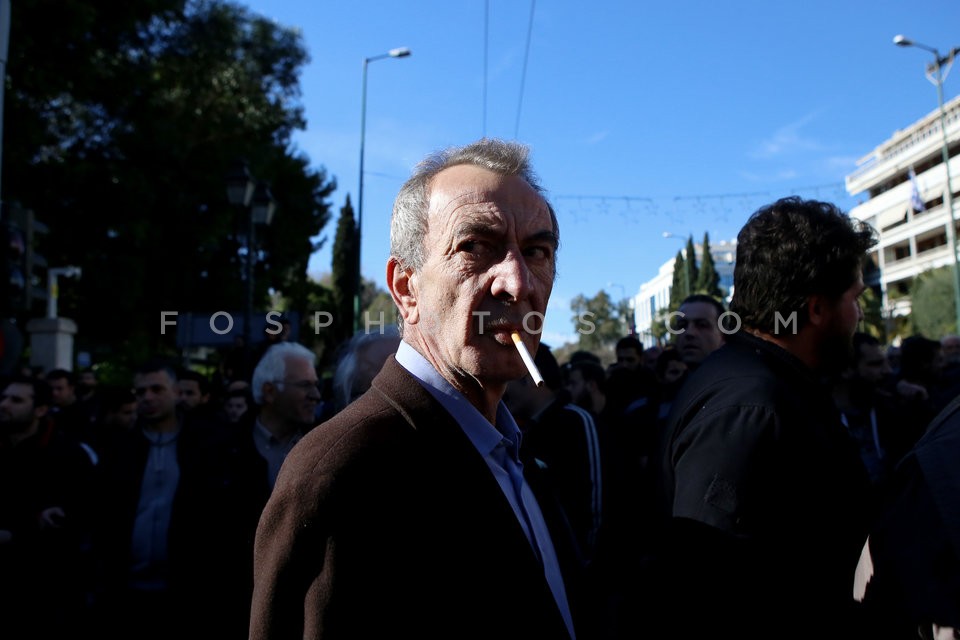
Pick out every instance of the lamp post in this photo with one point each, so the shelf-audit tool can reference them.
(936, 75)
(399, 52)
(258, 204)
(686, 259)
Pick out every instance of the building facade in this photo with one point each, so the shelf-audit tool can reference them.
(912, 231)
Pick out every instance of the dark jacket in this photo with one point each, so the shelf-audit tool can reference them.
(766, 497)
(386, 522)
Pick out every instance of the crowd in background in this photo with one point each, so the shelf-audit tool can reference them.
(131, 512)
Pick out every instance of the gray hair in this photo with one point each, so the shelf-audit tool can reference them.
(408, 226)
(345, 377)
(273, 365)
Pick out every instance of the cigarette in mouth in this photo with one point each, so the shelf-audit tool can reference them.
(527, 359)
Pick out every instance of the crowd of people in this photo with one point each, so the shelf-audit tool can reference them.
(787, 479)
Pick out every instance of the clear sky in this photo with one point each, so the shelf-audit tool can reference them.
(643, 117)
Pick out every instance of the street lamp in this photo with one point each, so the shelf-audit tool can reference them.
(686, 259)
(936, 75)
(257, 201)
(399, 52)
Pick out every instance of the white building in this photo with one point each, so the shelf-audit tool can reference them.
(910, 242)
(655, 294)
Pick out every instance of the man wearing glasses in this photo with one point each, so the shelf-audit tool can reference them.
(285, 389)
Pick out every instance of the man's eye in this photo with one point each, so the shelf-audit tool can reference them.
(540, 252)
(475, 247)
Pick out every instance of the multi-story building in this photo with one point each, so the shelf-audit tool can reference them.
(654, 294)
(912, 238)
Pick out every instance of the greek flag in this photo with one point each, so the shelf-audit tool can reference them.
(916, 202)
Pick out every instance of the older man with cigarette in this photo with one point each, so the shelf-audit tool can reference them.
(410, 513)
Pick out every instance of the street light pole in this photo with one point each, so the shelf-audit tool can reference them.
(936, 76)
(399, 52)
(257, 203)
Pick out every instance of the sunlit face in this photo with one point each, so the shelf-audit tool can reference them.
(701, 332)
(157, 396)
(489, 268)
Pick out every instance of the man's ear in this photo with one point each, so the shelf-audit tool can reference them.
(818, 307)
(402, 284)
(269, 392)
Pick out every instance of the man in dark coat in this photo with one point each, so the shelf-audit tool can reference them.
(408, 514)
(765, 493)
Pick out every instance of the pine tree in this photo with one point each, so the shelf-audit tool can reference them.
(678, 290)
(344, 272)
(708, 280)
(694, 272)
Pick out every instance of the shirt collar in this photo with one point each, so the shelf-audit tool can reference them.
(484, 436)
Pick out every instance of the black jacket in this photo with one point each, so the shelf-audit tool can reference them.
(766, 497)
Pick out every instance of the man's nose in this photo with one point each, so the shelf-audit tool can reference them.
(512, 279)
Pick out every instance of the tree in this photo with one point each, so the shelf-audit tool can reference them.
(693, 275)
(659, 327)
(595, 320)
(873, 320)
(344, 272)
(678, 290)
(127, 121)
(933, 304)
(708, 280)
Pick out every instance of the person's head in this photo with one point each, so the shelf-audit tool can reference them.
(62, 387)
(24, 402)
(473, 245)
(950, 348)
(285, 386)
(802, 260)
(155, 386)
(361, 360)
(236, 404)
(670, 367)
(869, 361)
(698, 322)
(586, 382)
(118, 408)
(629, 352)
(194, 389)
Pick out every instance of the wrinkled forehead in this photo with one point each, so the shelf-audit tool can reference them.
(471, 190)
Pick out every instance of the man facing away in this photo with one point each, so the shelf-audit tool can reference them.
(765, 493)
(407, 514)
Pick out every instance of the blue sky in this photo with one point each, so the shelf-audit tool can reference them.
(642, 117)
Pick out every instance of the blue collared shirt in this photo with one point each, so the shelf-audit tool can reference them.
(500, 446)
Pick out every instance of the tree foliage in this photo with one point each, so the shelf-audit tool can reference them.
(344, 272)
(678, 289)
(128, 116)
(596, 321)
(933, 303)
(693, 273)
(708, 279)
